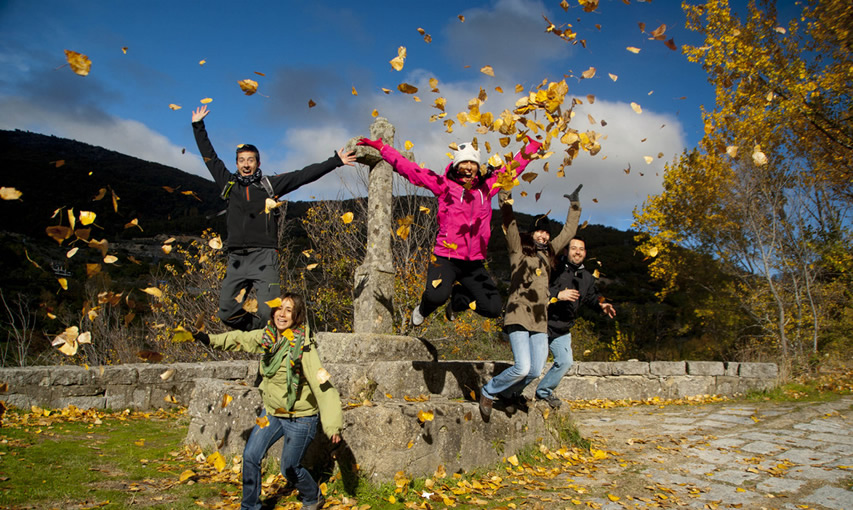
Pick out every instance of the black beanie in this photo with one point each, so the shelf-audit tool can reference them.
(541, 222)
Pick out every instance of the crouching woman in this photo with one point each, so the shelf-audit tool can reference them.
(296, 394)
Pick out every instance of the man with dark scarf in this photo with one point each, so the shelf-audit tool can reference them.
(252, 240)
(571, 286)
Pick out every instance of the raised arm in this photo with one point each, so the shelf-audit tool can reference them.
(287, 182)
(570, 227)
(510, 226)
(215, 166)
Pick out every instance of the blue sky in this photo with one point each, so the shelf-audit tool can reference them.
(321, 50)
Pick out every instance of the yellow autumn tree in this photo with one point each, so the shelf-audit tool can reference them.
(766, 193)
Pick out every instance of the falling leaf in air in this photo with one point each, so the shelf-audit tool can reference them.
(248, 86)
(671, 44)
(174, 106)
(168, 374)
(374, 113)
(323, 375)
(79, 63)
(589, 73)
(423, 209)
(657, 34)
(71, 252)
(181, 335)
(10, 193)
(386, 91)
(259, 73)
(436, 283)
(528, 177)
(405, 88)
(87, 217)
(398, 61)
(408, 145)
(311, 103)
(451, 246)
(637, 108)
(273, 303)
(731, 150)
(513, 460)
(472, 305)
(347, 217)
(206, 100)
(461, 18)
(354, 92)
(633, 49)
(311, 267)
(648, 159)
(110, 259)
(488, 71)
(58, 163)
(262, 421)
(425, 416)
(153, 291)
(226, 399)
(215, 243)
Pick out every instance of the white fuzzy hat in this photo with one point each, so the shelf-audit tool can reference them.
(466, 152)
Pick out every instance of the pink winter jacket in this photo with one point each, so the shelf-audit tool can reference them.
(464, 216)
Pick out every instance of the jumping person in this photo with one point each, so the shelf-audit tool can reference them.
(532, 259)
(295, 396)
(464, 216)
(572, 285)
(252, 234)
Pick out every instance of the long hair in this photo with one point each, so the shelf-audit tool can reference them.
(299, 312)
(528, 248)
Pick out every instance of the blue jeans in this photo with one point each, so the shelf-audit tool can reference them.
(530, 350)
(298, 434)
(561, 348)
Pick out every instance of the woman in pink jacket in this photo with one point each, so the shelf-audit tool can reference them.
(464, 227)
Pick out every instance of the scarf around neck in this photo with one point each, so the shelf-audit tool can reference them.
(284, 352)
(248, 180)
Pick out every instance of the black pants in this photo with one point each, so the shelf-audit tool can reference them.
(475, 285)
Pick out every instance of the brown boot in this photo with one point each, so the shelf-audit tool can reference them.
(485, 407)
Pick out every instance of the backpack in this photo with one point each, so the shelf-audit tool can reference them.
(265, 183)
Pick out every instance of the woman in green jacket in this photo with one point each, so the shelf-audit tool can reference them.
(296, 393)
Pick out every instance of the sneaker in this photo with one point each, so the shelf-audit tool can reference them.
(485, 407)
(417, 318)
(449, 314)
(553, 401)
(316, 506)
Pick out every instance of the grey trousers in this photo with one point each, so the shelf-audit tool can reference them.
(248, 268)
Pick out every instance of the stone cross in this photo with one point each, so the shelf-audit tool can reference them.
(374, 279)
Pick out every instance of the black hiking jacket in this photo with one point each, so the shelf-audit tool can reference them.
(248, 226)
(562, 314)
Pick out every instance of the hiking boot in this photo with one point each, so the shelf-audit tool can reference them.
(485, 405)
(553, 401)
(417, 318)
(449, 314)
(316, 506)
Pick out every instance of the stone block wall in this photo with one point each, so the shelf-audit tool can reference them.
(146, 386)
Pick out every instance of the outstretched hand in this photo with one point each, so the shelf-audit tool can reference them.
(200, 113)
(376, 144)
(575, 196)
(347, 157)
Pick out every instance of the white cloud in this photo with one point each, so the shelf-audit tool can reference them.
(121, 135)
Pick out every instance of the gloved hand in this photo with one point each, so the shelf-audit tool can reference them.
(376, 144)
(202, 337)
(574, 197)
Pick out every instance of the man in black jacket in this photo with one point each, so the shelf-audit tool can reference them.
(252, 230)
(571, 285)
